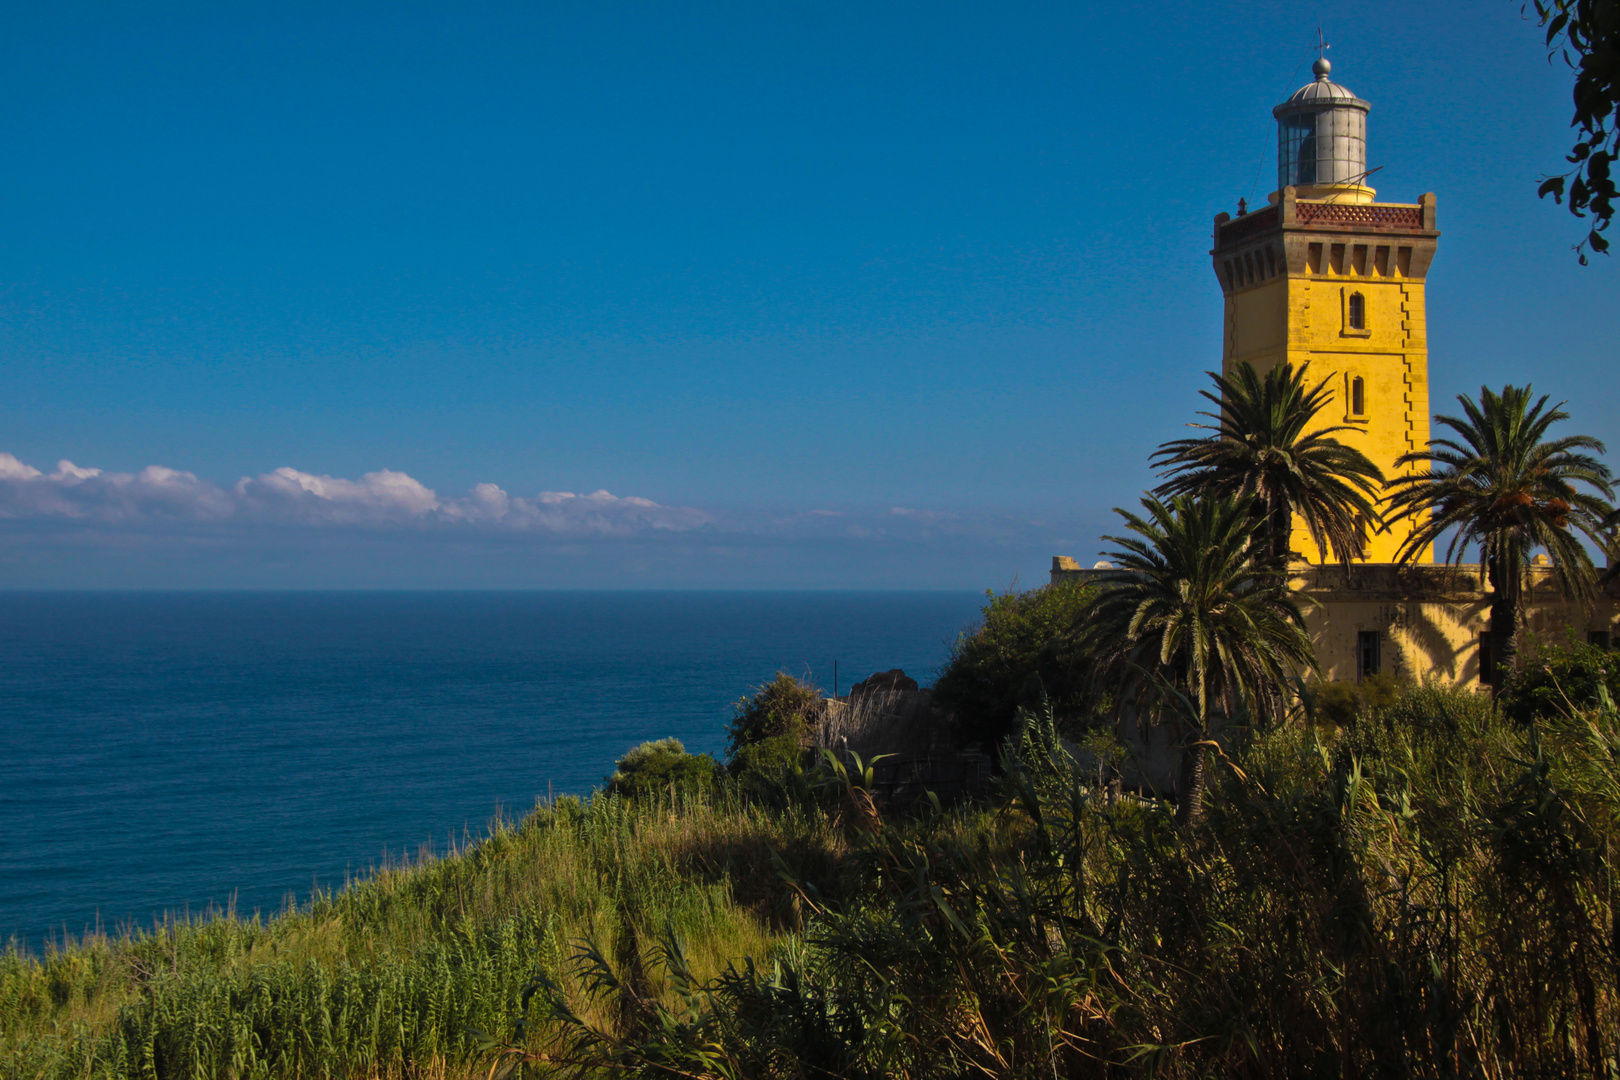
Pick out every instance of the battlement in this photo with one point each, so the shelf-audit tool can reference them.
(1318, 238)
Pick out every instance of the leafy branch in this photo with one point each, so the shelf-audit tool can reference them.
(1586, 35)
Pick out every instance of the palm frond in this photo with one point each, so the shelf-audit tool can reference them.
(1261, 449)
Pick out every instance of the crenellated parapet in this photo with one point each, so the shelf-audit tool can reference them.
(1324, 239)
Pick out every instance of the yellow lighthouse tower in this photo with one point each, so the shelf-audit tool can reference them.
(1327, 276)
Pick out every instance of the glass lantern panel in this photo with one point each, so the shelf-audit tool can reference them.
(1296, 150)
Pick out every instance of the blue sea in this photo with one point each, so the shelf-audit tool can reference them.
(168, 752)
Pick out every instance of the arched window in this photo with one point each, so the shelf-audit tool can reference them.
(1356, 313)
(1358, 397)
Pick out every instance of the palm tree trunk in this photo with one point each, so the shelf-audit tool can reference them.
(1505, 574)
(1279, 527)
(1194, 776)
(1191, 783)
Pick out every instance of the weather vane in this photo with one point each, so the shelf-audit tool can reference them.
(1321, 45)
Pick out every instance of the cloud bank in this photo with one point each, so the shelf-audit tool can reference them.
(288, 497)
(86, 528)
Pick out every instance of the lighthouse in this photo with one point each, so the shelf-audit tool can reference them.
(1328, 276)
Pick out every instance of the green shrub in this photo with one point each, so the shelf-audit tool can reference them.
(770, 771)
(656, 767)
(1020, 655)
(562, 812)
(1552, 678)
(782, 707)
(1437, 710)
(1343, 703)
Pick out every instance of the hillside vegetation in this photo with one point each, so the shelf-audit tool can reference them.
(1428, 891)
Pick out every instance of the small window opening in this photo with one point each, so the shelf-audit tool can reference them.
(1358, 397)
(1313, 258)
(1336, 258)
(1381, 261)
(1231, 278)
(1271, 262)
(1369, 647)
(1403, 261)
(1358, 258)
(1357, 313)
(1248, 266)
(1599, 638)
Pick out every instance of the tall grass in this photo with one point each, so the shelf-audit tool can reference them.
(388, 976)
(1430, 893)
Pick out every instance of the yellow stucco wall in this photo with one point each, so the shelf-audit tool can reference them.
(1430, 618)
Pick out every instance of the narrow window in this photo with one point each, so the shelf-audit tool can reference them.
(1356, 314)
(1358, 397)
(1313, 258)
(1358, 258)
(1248, 264)
(1368, 647)
(1381, 261)
(1231, 278)
(1403, 261)
(1598, 638)
(1487, 662)
(1271, 262)
(1336, 257)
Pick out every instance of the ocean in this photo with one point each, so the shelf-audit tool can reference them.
(168, 752)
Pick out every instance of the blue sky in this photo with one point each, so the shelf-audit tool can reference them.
(824, 295)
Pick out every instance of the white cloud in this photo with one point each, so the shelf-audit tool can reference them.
(289, 497)
(93, 495)
(377, 497)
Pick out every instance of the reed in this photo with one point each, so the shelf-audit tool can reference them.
(1429, 893)
(389, 976)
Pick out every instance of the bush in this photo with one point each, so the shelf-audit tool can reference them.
(1020, 655)
(562, 812)
(656, 767)
(1552, 678)
(782, 707)
(1342, 703)
(770, 771)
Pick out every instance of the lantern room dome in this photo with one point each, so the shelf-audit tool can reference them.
(1319, 91)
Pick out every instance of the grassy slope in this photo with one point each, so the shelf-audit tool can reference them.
(1430, 892)
(394, 969)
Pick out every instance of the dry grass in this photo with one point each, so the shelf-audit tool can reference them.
(903, 724)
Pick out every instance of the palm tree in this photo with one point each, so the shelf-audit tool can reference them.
(1261, 448)
(1195, 608)
(1501, 484)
